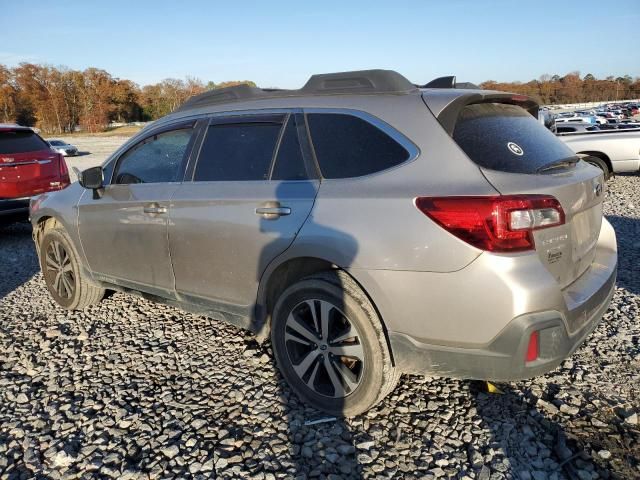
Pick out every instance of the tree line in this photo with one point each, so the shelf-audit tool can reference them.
(571, 88)
(59, 100)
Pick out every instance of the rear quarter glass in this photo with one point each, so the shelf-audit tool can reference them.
(347, 146)
(21, 141)
(507, 138)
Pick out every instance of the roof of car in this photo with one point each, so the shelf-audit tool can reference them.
(13, 126)
(362, 82)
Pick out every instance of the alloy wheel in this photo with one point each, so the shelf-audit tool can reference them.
(59, 270)
(324, 348)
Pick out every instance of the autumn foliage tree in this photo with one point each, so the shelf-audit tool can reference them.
(571, 88)
(58, 99)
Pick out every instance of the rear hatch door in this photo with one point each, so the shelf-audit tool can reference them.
(518, 155)
(27, 164)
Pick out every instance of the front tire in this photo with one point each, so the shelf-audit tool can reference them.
(62, 273)
(330, 346)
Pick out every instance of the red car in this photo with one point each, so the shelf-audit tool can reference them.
(28, 167)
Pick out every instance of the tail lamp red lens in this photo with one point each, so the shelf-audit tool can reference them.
(533, 348)
(63, 170)
(501, 223)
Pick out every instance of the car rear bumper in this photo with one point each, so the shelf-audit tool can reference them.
(504, 358)
(476, 322)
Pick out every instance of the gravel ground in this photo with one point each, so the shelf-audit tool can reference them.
(130, 389)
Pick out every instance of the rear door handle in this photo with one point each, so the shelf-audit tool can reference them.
(272, 210)
(154, 208)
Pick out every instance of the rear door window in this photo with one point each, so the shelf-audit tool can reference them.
(507, 138)
(349, 146)
(237, 151)
(21, 141)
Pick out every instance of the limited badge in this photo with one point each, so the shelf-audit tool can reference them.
(515, 148)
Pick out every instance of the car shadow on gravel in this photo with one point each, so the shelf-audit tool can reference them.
(628, 237)
(318, 444)
(524, 433)
(19, 260)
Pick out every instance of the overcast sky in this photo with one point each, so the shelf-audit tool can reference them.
(279, 44)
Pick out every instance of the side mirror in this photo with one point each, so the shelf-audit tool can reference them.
(92, 178)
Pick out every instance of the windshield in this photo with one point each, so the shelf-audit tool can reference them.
(507, 138)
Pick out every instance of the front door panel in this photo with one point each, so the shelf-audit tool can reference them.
(122, 241)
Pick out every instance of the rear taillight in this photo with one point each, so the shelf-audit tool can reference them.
(62, 165)
(64, 171)
(503, 223)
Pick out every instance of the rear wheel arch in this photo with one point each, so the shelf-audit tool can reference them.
(275, 282)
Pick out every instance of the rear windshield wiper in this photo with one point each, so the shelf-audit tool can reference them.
(559, 164)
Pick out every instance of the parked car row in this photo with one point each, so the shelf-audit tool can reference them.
(606, 137)
(345, 221)
(63, 148)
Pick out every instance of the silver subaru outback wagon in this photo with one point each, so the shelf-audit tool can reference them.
(370, 227)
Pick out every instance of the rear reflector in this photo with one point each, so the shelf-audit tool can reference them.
(533, 347)
(501, 223)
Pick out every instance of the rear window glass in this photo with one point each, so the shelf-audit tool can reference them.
(21, 141)
(507, 138)
(348, 146)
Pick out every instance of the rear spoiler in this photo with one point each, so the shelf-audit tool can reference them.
(449, 82)
(446, 105)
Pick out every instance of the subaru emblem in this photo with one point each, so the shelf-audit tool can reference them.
(515, 149)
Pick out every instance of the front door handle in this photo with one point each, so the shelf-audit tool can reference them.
(272, 210)
(154, 208)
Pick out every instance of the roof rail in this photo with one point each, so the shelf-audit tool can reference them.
(449, 82)
(356, 83)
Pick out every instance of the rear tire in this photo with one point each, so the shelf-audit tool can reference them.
(330, 346)
(601, 164)
(62, 273)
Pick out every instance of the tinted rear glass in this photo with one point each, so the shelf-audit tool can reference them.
(507, 138)
(348, 146)
(236, 152)
(21, 141)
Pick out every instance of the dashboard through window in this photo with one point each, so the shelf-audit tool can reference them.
(157, 159)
